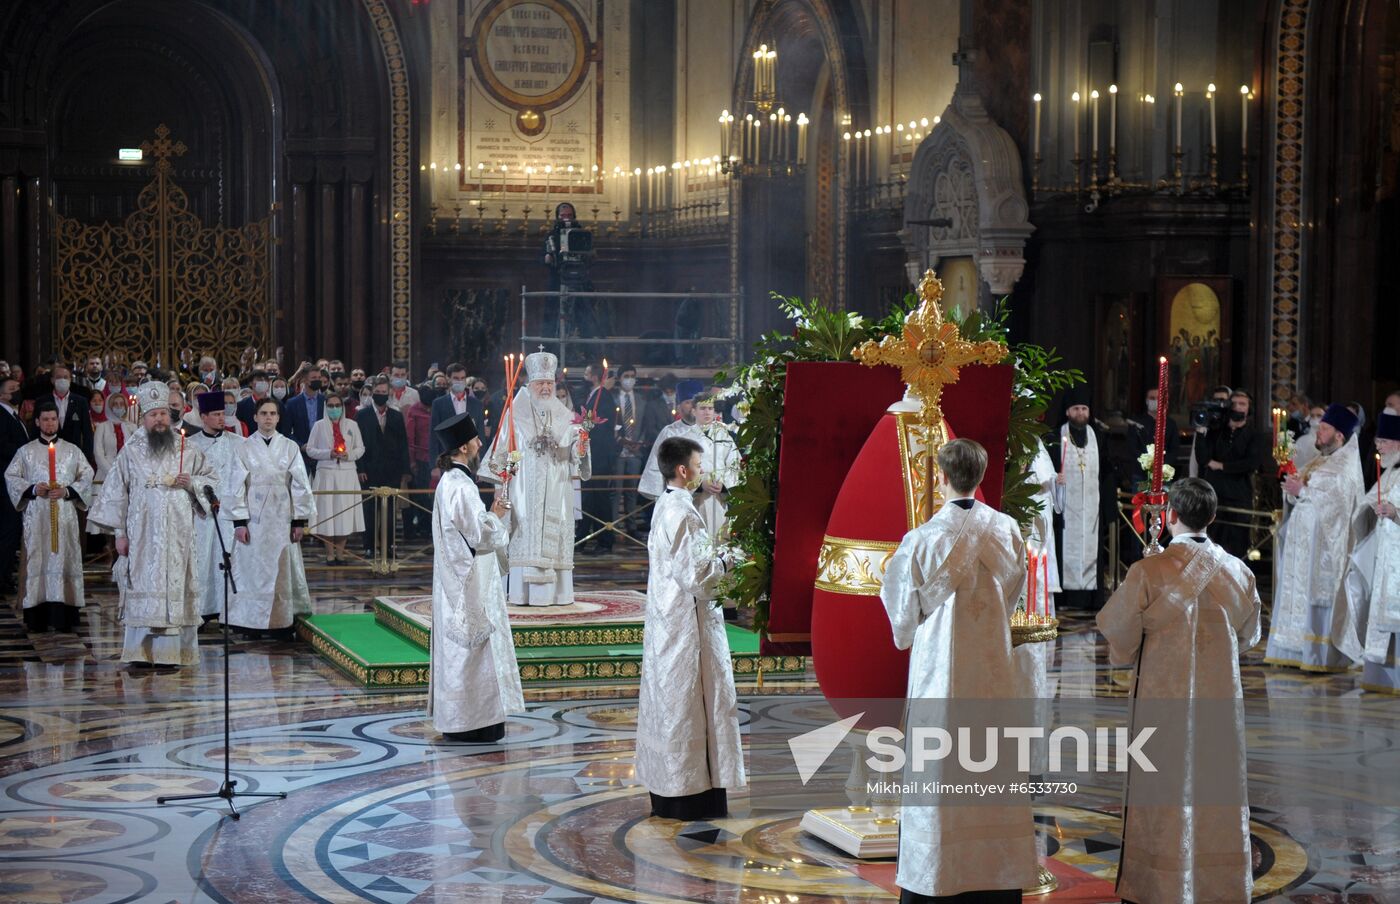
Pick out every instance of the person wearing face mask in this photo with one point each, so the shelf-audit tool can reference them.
(262, 388)
(303, 410)
(385, 462)
(279, 390)
(336, 446)
(634, 439)
(268, 494)
(1227, 457)
(1308, 630)
(401, 395)
(111, 435)
(13, 435)
(1373, 575)
(457, 400)
(208, 372)
(74, 416)
(1145, 431)
(51, 575)
(418, 417)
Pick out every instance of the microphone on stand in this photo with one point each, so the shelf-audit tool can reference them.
(213, 500)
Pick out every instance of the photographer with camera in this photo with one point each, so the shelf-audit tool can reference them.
(1227, 452)
(568, 250)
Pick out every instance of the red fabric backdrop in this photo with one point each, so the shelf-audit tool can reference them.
(829, 411)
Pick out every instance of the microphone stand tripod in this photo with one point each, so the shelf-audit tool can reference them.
(225, 792)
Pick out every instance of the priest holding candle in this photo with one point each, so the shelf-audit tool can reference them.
(49, 481)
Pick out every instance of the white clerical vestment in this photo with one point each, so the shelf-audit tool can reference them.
(687, 708)
(949, 591)
(267, 488)
(219, 452)
(1373, 586)
(475, 681)
(46, 576)
(542, 498)
(1078, 501)
(1313, 627)
(159, 580)
(652, 484)
(1184, 616)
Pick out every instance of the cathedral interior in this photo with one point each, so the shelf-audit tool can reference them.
(1196, 192)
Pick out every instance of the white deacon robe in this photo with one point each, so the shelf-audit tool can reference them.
(949, 591)
(267, 487)
(475, 681)
(1373, 586)
(45, 576)
(542, 498)
(719, 456)
(159, 581)
(1313, 627)
(219, 452)
(1184, 616)
(1078, 501)
(652, 484)
(687, 708)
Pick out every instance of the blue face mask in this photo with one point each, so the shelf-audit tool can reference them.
(334, 412)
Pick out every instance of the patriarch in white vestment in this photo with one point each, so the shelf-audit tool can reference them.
(475, 681)
(153, 495)
(546, 450)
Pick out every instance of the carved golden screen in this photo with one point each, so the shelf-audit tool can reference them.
(162, 281)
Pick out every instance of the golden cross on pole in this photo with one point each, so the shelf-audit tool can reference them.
(930, 352)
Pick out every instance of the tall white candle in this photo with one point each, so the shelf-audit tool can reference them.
(1179, 93)
(1210, 95)
(1094, 132)
(1074, 121)
(1036, 140)
(1244, 120)
(1112, 118)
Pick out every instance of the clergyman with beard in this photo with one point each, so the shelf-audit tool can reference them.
(153, 492)
(1314, 628)
(541, 491)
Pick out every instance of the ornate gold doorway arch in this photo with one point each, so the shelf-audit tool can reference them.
(161, 281)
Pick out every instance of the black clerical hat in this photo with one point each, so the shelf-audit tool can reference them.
(457, 431)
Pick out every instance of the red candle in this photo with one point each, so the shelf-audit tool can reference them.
(53, 463)
(1160, 437)
(1045, 583)
(1030, 583)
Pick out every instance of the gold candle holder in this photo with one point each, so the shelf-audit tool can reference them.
(53, 521)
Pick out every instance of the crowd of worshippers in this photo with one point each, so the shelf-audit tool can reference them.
(348, 431)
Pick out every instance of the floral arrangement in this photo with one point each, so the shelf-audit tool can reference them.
(588, 420)
(1145, 462)
(821, 333)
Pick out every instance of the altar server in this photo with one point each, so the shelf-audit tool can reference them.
(50, 575)
(548, 448)
(475, 682)
(1184, 616)
(220, 448)
(1373, 580)
(268, 494)
(1313, 627)
(153, 493)
(688, 746)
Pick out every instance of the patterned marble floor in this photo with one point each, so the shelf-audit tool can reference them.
(380, 809)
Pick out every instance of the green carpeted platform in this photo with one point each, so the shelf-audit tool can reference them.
(375, 657)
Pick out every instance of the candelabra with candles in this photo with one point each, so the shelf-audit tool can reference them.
(771, 141)
(1100, 184)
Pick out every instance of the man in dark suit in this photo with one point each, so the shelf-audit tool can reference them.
(385, 462)
(262, 388)
(635, 424)
(302, 411)
(13, 435)
(455, 401)
(597, 493)
(75, 421)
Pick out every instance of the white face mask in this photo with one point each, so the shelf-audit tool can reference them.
(459, 386)
(61, 385)
(1152, 407)
(1314, 421)
(117, 412)
(260, 387)
(279, 392)
(629, 383)
(230, 411)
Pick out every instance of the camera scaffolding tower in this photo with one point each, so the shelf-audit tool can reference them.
(729, 302)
